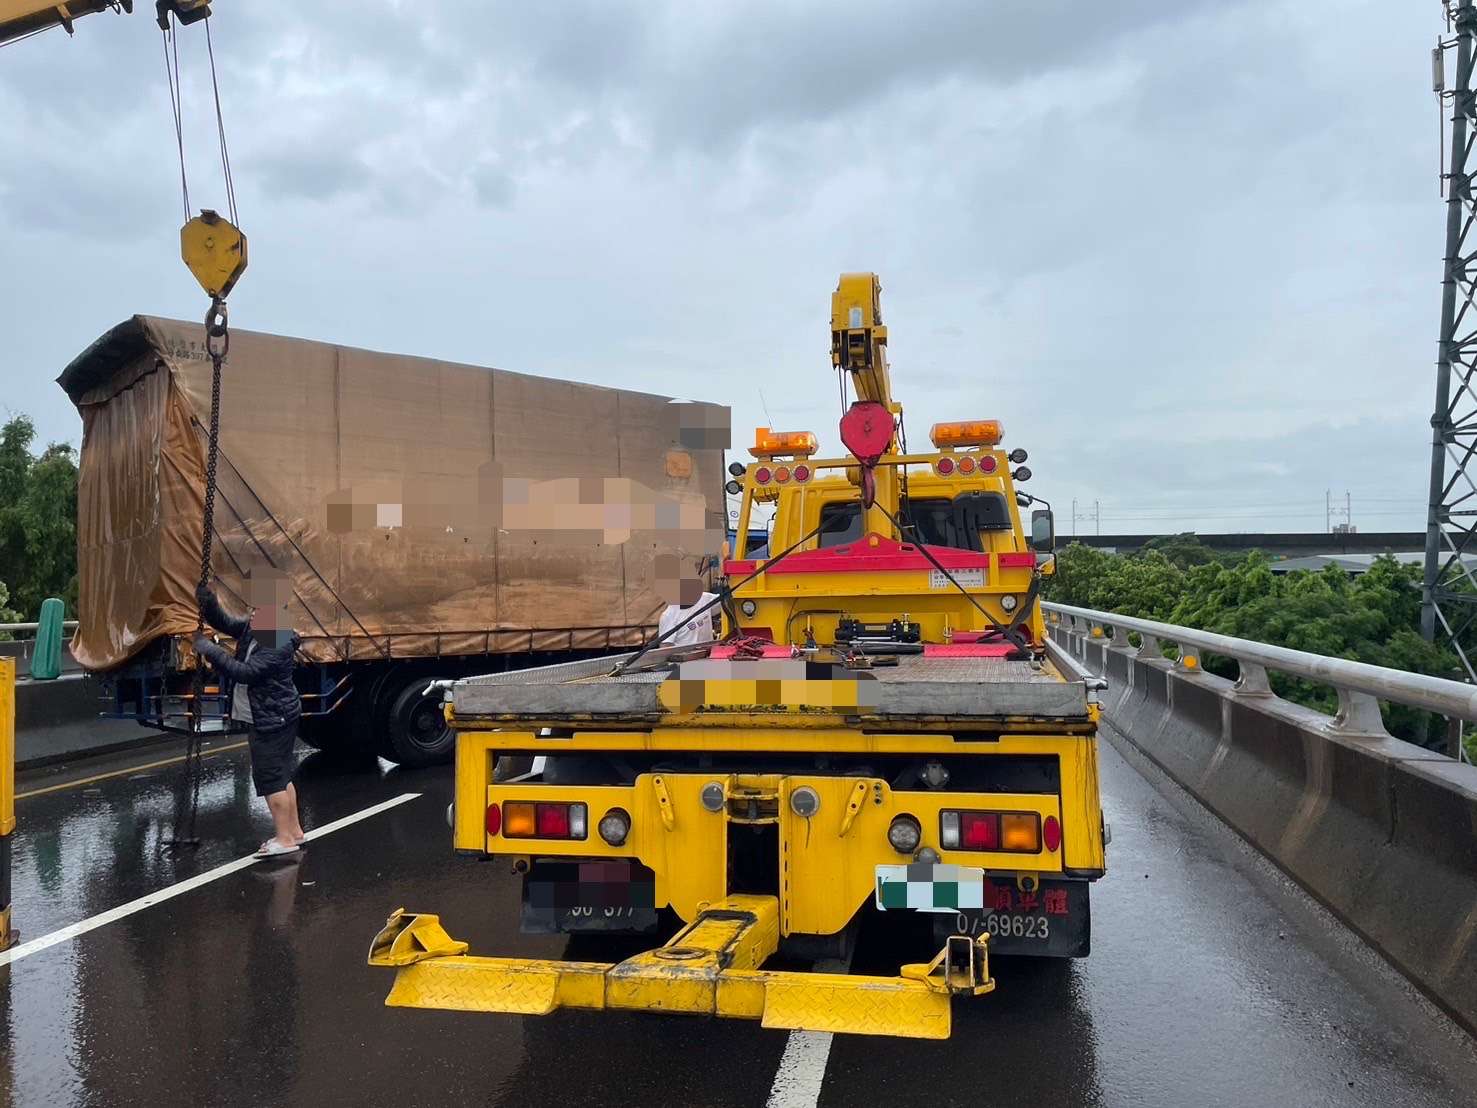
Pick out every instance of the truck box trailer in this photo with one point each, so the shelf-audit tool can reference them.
(435, 519)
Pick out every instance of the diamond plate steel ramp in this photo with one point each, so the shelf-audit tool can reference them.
(710, 967)
(856, 1005)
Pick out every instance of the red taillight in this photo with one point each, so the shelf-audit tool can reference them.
(1007, 832)
(494, 819)
(762, 475)
(543, 819)
(552, 821)
(1051, 833)
(966, 465)
(987, 463)
(979, 830)
(945, 466)
(802, 473)
(781, 474)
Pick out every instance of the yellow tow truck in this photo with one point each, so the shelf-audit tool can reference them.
(883, 730)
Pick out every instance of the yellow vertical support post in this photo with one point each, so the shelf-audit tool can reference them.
(7, 792)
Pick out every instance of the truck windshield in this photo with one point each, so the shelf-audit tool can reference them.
(840, 523)
(939, 521)
(935, 521)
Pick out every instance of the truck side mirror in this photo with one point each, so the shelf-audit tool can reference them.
(1043, 530)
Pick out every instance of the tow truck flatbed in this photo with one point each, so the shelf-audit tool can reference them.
(917, 687)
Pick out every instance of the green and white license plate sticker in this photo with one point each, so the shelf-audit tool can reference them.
(927, 887)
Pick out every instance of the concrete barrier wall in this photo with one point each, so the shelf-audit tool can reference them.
(56, 721)
(21, 650)
(1382, 832)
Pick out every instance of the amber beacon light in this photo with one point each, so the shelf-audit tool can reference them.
(969, 432)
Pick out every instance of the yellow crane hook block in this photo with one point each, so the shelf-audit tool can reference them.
(214, 250)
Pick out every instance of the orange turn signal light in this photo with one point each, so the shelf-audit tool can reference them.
(969, 432)
(518, 819)
(769, 444)
(1020, 831)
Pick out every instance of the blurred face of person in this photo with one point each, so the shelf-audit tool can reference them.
(676, 584)
(268, 594)
(690, 591)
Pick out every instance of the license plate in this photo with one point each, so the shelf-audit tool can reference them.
(559, 897)
(1053, 919)
(1004, 925)
(930, 887)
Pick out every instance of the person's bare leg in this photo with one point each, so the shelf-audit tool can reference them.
(281, 806)
(297, 827)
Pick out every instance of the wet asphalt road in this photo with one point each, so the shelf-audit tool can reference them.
(1212, 981)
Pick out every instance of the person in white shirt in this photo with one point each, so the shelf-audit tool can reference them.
(685, 596)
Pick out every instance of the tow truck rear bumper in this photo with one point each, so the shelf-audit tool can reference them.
(711, 967)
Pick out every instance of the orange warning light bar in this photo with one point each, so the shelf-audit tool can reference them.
(970, 432)
(770, 444)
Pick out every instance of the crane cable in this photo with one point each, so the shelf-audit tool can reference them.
(217, 345)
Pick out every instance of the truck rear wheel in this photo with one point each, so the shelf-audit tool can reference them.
(415, 730)
(332, 733)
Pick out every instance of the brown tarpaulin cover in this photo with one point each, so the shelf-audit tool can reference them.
(420, 508)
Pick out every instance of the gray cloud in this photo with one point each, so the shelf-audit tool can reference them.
(1189, 253)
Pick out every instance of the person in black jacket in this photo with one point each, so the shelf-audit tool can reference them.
(263, 694)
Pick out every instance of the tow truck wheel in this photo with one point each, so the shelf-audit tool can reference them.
(415, 730)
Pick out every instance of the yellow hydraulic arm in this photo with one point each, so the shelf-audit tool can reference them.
(24, 17)
(859, 348)
(19, 18)
(859, 340)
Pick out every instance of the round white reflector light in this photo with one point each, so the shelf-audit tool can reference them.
(615, 825)
(1008, 602)
(712, 796)
(748, 607)
(904, 834)
(805, 802)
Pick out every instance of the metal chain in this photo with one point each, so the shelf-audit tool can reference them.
(217, 344)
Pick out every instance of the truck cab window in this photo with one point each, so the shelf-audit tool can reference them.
(939, 521)
(840, 523)
(933, 524)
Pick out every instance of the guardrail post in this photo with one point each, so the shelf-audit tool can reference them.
(1252, 681)
(1149, 646)
(1358, 717)
(1189, 660)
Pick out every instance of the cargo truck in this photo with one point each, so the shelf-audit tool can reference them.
(885, 734)
(435, 520)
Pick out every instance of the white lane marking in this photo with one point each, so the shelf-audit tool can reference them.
(802, 1068)
(102, 919)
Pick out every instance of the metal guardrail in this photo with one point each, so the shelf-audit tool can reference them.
(67, 625)
(1360, 686)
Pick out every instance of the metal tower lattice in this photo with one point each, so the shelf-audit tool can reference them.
(1449, 596)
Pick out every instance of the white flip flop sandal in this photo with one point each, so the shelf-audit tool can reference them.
(272, 849)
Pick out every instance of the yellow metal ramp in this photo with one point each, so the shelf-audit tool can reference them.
(710, 968)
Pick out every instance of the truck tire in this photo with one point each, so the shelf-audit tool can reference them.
(332, 733)
(415, 732)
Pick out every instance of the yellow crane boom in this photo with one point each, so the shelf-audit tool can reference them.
(19, 18)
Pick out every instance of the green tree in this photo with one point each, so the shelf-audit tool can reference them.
(1373, 617)
(1184, 550)
(38, 520)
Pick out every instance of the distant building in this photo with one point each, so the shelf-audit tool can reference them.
(1354, 563)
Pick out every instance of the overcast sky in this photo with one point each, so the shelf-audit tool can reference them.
(1188, 252)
